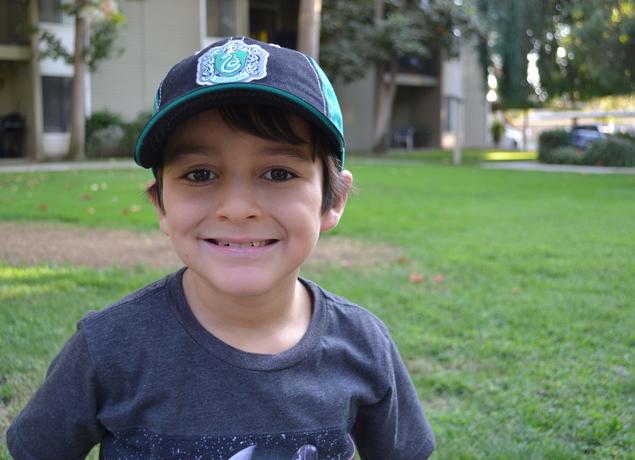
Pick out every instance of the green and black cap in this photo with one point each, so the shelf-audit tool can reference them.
(241, 71)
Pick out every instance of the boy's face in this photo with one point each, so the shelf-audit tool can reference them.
(243, 212)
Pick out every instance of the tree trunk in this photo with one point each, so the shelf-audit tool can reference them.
(384, 90)
(309, 27)
(76, 149)
(384, 98)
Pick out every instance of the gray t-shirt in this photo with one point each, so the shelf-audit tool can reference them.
(146, 380)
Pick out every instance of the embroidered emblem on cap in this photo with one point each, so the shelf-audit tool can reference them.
(232, 62)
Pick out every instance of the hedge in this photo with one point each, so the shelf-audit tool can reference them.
(109, 135)
(550, 140)
(556, 147)
(612, 151)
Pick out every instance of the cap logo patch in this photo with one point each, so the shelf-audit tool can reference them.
(232, 62)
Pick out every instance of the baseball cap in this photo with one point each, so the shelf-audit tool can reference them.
(241, 71)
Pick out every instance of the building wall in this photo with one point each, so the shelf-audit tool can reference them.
(464, 96)
(159, 33)
(476, 106)
(357, 104)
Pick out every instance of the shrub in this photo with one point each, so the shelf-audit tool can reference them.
(550, 140)
(629, 136)
(497, 128)
(612, 151)
(132, 130)
(104, 131)
(567, 155)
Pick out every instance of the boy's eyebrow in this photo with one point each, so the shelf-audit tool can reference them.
(184, 149)
(285, 150)
(282, 150)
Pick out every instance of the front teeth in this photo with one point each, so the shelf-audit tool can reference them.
(252, 244)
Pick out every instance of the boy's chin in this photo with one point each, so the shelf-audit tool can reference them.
(244, 284)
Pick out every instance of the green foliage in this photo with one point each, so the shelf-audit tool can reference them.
(132, 131)
(524, 350)
(104, 130)
(508, 43)
(567, 154)
(599, 41)
(550, 140)
(612, 151)
(352, 42)
(109, 135)
(584, 48)
(104, 29)
(556, 147)
(497, 128)
(628, 136)
(103, 41)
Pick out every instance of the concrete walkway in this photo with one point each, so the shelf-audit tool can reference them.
(535, 166)
(21, 166)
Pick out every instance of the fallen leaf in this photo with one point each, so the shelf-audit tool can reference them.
(416, 278)
(85, 197)
(44, 207)
(403, 260)
(515, 290)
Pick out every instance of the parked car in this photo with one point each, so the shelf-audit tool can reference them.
(584, 135)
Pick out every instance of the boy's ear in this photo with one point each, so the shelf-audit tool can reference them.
(153, 195)
(332, 216)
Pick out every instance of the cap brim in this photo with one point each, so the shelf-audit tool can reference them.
(149, 146)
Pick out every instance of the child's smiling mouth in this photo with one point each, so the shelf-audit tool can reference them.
(241, 244)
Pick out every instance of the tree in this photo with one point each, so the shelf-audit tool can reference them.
(587, 50)
(309, 27)
(363, 35)
(97, 25)
(581, 49)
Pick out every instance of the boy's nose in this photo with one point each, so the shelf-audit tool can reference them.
(236, 200)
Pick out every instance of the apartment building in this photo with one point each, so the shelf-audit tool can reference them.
(160, 32)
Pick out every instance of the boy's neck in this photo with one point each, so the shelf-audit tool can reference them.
(267, 324)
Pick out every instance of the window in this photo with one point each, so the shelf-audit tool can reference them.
(56, 104)
(14, 28)
(274, 21)
(51, 11)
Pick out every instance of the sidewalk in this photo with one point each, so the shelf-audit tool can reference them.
(535, 166)
(21, 166)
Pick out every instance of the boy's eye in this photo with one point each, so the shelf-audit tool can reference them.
(279, 175)
(200, 175)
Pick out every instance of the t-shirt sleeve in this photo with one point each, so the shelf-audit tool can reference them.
(395, 427)
(60, 420)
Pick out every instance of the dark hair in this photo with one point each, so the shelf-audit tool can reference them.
(274, 124)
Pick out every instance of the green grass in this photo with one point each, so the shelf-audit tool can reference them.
(524, 350)
(442, 156)
(108, 198)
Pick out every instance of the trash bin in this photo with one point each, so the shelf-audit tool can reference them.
(12, 129)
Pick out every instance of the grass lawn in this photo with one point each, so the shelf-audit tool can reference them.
(520, 335)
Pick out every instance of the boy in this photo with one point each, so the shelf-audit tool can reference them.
(234, 356)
